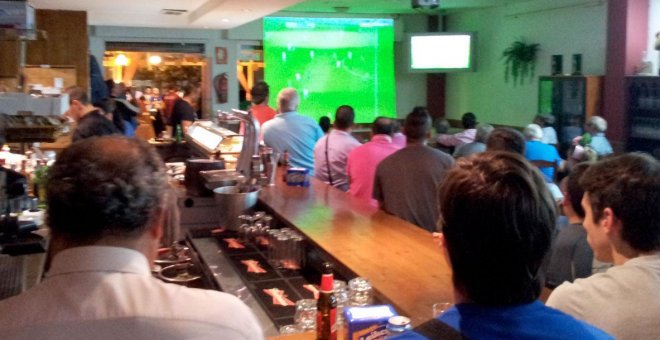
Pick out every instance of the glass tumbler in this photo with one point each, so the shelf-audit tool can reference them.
(360, 292)
(305, 316)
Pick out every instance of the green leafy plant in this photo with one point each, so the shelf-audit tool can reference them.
(520, 61)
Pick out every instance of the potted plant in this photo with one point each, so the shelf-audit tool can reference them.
(520, 61)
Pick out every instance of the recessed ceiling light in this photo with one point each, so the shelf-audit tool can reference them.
(172, 11)
(224, 20)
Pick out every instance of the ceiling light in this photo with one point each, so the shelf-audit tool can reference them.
(172, 11)
(224, 20)
(121, 60)
(155, 59)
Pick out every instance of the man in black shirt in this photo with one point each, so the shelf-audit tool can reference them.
(183, 113)
(90, 121)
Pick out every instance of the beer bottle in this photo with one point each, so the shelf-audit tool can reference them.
(326, 307)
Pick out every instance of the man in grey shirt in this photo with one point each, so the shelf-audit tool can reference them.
(406, 183)
(622, 219)
(571, 257)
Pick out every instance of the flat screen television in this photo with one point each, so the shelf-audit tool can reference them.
(441, 52)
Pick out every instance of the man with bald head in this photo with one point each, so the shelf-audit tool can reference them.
(107, 201)
(292, 132)
(363, 160)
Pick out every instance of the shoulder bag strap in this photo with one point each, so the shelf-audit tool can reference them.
(327, 158)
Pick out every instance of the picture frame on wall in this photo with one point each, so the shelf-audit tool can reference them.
(221, 55)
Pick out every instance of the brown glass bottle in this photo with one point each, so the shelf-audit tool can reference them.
(326, 306)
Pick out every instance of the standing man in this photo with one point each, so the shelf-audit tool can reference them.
(292, 132)
(90, 121)
(622, 220)
(183, 113)
(331, 151)
(497, 224)
(107, 202)
(260, 109)
(407, 181)
(363, 160)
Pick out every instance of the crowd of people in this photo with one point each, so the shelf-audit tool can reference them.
(491, 208)
(174, 111)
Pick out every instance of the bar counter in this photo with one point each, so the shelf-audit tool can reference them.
(406, 268)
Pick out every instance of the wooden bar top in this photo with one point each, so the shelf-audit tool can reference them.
(401, 260)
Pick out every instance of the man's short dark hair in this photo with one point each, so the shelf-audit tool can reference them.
(189, 89)
(77, 93)
(325, 124)
(344, 117)
(105, 186)
(628, 184)
(506, 139)
(417, 125)
(469, 120)
(574, 189)
(259, 92)
(383, 126)
(497, 217)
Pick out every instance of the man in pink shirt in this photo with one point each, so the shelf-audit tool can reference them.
(469, 121)
(363, 160)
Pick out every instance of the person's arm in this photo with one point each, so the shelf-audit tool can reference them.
(185, 124)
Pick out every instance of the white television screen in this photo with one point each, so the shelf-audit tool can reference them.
(441, 52)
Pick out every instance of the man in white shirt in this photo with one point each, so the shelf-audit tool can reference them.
(106, 209)
(331, 151)
(622, 220)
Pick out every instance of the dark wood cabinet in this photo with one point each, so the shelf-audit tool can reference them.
(643, 123)
(571, 100)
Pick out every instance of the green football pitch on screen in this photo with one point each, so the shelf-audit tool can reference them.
(332, 62)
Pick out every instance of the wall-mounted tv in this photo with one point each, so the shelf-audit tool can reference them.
(441, 52)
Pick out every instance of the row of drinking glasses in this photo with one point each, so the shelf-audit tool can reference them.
(285, 249)
(254, 228)
(359, 293)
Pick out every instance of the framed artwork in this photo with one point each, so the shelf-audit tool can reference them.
(221, 55)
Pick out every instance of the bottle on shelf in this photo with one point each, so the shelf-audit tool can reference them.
(326, 307)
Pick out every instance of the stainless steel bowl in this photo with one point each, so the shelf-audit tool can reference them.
(182, 273)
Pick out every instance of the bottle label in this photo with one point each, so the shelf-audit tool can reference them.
(327, 330)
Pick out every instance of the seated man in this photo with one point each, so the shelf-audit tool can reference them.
(549, 133)
(479, 144)
(331, 151)
(597, 126)
(106, 207)
(622, 219)
(571, 257)
(506, 139)
(535, 150)
(363, 160)
(406, 182)
(260, 109)
(292, 132)
(469, 121)
(497, 224)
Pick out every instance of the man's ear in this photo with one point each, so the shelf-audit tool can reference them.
(610, 223)
(157, 225)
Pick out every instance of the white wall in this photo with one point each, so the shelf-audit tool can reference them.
(560, 27)
(654, 28)
(210, 38)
